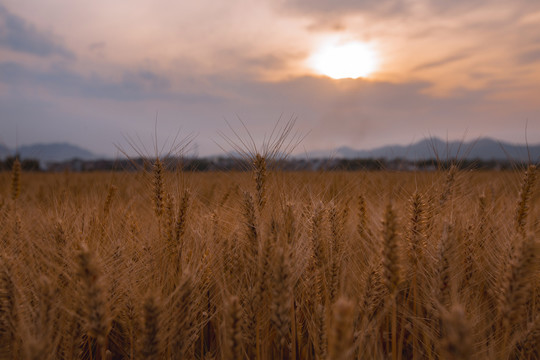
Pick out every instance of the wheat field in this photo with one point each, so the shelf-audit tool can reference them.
(264, 264)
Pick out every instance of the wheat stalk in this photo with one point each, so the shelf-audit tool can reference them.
(457, 340)
(391, 268)
(233, 330)
(150, 346)
(341, 333)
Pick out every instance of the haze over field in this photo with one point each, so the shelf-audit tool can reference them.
(91, 73)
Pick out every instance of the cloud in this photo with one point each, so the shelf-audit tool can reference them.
(391, 7)
(131, 85)
(97, 46)
(327, 24)
(358, 113)
(364, 113)
(442, 62)
(530, 57)
(344, 7)
(18, 35)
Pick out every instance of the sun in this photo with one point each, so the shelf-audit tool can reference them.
(344, 60)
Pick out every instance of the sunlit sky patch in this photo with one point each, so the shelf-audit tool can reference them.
(341, 60)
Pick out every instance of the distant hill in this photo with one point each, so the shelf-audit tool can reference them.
(54, 152)
(483, 149)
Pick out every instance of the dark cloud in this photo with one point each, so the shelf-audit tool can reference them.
(363, 113)
(356, 113)
(137, 85)
(458, 6)
(515, 7)
(18, 35)
(344, 7)
(329, 13)
(269, 61)
(442, 62)
(327, 24)
(393, 6)
(97, 46)
(264, 63)
(146, 79)
(530, 57)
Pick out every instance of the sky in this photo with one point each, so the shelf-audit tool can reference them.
(97, 73)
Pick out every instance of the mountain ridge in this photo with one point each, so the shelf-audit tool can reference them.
(483, 149)
(49, 152)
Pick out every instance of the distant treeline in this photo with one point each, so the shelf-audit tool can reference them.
(424, 165)
(26, 164)
(236, 164)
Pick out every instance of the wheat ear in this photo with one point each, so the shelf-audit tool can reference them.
(260, 174)
(525, 194)
(16, 179)
(157, 182)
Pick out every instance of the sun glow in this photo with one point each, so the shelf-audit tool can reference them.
(344, 60)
